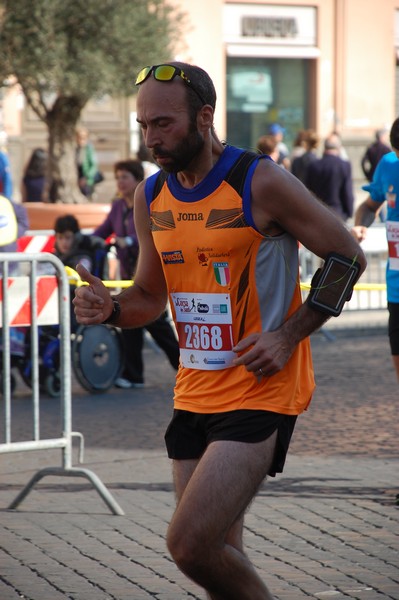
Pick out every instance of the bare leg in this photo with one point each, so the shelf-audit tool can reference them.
(396, 365)
(205, 534)
(183, 471)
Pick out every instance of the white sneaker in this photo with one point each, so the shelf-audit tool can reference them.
(125, 384)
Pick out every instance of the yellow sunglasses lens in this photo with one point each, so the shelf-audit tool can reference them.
(165, 73)
(142, 76)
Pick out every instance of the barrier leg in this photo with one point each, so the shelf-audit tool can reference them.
(71, 472)
(327, 334)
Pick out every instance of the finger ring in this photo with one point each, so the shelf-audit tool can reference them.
(260, 371)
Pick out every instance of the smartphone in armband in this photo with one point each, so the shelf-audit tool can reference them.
(333, 284)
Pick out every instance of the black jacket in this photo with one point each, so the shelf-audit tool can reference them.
(330, 179)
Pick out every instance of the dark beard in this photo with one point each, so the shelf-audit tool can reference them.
(183, 153)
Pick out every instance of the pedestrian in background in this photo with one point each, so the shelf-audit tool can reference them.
(336, 138)
(267, 144)
(73, 247)
(86, 162)
(119, 223)
(34, 177)
(278, 133)
(299, 144)
(6, 186)
(384, 191)
(14, 223)
(375, 152)
(218, 231)
(330, 179)
(300, 164)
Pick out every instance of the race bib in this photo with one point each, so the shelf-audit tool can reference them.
(393, 244)
(390, 197)
(204, 326)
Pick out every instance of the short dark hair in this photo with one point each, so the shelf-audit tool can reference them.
(394, 134)
(201, 82)
(133, 166)
(266, 144)
(66, 223)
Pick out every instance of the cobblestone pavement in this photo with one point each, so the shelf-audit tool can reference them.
(327, 528)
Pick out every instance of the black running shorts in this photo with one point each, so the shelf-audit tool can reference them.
(188, 433)
(393, 327)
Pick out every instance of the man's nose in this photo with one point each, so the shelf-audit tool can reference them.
(151, 138)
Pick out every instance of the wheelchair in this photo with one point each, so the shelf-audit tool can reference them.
(97, 358)
(97, 355)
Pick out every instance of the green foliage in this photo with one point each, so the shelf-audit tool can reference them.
(64, 52)
(83, 48)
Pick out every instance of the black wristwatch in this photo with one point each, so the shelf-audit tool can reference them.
(116, 311)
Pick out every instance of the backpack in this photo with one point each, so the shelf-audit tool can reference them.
(8, 222)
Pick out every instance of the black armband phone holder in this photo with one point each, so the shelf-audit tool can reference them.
(332, 285)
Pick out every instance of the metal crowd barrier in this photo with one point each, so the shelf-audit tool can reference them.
(33, 300)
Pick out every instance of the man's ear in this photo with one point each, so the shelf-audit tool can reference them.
(205, 118)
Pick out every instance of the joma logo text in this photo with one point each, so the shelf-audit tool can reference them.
(190, 217)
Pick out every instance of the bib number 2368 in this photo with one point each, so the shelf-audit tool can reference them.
(204, 326)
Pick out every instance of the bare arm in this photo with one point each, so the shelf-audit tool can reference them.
(364, 217)
(141, 303)
(366, 212)
(281, 203)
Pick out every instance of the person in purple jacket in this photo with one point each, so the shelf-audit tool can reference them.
(119, 223)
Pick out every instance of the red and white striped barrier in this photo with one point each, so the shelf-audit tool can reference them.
(19, 303)
(36, 243)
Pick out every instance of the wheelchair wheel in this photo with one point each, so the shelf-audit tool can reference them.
(13, 383)
(97, 357)
(52, 384)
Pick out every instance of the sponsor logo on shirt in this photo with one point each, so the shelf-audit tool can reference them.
(173, 257)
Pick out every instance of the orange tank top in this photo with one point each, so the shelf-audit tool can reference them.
(225, 281)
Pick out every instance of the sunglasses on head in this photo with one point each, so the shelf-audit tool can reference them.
(166, 73)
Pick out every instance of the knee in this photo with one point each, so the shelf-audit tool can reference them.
(188, 550)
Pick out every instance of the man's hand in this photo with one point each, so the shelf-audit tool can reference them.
(264, 353)
(93, 302)
(359, 232)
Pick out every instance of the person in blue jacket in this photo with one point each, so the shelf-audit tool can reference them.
(5, 176)
(384, 190)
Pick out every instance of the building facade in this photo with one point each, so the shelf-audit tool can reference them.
(325, 64)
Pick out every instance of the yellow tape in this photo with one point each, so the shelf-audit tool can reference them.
(369, 287)
(74, 278)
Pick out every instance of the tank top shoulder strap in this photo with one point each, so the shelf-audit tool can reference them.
(153, 185)
(237, 175)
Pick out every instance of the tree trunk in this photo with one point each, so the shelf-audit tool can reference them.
(62, 175)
